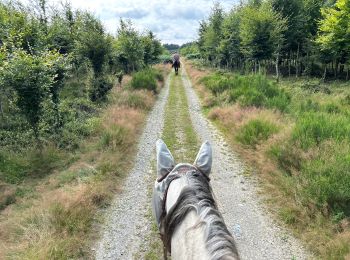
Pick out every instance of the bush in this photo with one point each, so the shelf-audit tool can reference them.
(216, 83)
(248, 97)
(145, 79)
(100, 88)
(255, 131)
(193, 56)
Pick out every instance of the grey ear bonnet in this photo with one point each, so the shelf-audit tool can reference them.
(165, 161)
(204, 159)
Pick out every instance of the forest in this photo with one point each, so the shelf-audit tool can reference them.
(296, 37)
(55, 60)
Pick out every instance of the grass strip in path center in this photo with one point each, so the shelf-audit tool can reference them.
(178, 132)
(182, 141)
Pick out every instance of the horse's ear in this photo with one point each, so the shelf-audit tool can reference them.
(165, 161)
(204, 158)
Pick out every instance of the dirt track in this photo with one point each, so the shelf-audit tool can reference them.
(256, 234)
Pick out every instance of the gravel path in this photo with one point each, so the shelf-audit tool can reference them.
(257, 236)
(126, 224)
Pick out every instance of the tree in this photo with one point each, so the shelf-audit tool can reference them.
(229, 48)
(129, 47)
(92, 43)
(334, 32)
(213, 34)
(203, 27)
(31, 77)
(152, 48)
(261, 33)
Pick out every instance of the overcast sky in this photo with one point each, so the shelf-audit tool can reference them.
(173, 21)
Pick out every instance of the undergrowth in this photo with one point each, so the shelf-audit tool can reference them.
(297, 134)
(49, 196)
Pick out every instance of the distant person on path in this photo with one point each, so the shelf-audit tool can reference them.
(176, 63)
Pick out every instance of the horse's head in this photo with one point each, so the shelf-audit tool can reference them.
(182, 195)
(168, 171)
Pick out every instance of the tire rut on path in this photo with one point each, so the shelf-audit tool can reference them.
(256, 234)
(126, 223)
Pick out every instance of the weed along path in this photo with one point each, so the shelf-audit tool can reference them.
(130, 232)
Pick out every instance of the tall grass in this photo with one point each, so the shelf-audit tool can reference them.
(248, 90)
(255, 131)
(312, 128)
(326, 178)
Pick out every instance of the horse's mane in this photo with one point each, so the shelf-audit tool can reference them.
(198, 196)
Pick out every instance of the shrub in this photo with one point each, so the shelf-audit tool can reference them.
(100, 88)
(193, 56)
(248, 97)
(157, 74)
(255, 131)
(31, 77)
(216, 83)
(280, 102)
(145, 79)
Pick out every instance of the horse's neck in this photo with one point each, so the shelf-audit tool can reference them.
(188, 240)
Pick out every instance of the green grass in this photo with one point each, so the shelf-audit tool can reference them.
(313, 128)
(256, 131)
(178, 132)
(326, 178)
(15, 167)
(248, 90)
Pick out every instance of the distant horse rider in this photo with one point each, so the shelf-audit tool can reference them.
(176, 63)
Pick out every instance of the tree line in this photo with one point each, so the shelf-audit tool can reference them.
(43, 48)
(294, 37)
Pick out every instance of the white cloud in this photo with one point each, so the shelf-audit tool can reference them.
(173, 21)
